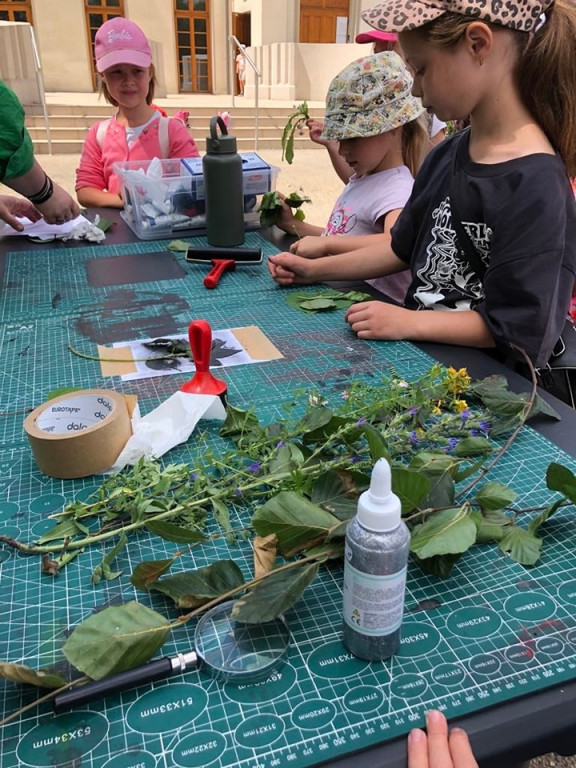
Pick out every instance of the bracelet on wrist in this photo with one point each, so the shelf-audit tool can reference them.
(45, 193)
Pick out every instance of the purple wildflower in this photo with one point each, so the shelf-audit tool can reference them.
(485, 426)
(254, 467)
(360, 422)
(452, 443)
(280, 444)
(238, 492)
(413, 438)
(413, 411)
(355, 459)
(465, 415)
(474, 432)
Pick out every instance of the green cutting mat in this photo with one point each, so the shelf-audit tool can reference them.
(491, 632)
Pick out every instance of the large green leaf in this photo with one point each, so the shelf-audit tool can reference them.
(377, 445)
(488, 532)
(329, 492)
(560, 478)
(66, 528)
(175, 533)
(473, 446)
(191, 589)
(442, 492)
(221, 514)
(450, 531)
(522, 545)
(43, 678)
(495, 496)
(288, 458)
(411, 487)
(115, 639)
(297, 522)
(149, 571)
(544, 515)
(238, 422)
(274, 595)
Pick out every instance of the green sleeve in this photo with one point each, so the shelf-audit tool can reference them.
(16, 151)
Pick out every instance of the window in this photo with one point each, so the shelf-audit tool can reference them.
(97, 12)
(16, 10)
(192, 22)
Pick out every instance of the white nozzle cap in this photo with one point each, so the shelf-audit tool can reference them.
(378, 508)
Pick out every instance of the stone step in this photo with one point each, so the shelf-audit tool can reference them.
(70, 146)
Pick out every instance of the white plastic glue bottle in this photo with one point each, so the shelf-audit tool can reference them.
(376, 557)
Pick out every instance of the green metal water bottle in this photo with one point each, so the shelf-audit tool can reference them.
(223, 187)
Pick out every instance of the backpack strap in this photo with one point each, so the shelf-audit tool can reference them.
(103, 126)
(164, 136)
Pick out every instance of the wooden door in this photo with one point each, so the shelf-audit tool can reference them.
(319, 19)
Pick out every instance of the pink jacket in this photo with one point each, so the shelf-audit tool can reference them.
(96, 164)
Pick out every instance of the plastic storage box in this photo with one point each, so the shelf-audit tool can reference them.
(165, 198)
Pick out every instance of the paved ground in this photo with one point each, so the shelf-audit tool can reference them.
(311, 172)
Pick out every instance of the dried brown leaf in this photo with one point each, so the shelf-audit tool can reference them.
(264, 554)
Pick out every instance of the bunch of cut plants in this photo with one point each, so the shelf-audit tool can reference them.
(286, 490)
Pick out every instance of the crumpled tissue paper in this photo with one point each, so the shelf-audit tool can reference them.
(168, 425)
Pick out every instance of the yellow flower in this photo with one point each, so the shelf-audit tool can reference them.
(457, 380)
(460, 405)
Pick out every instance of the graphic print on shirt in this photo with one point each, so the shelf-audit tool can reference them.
(341, 222)
(445, 280)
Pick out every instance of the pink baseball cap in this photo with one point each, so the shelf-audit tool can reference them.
(374, 35)
(120, 41)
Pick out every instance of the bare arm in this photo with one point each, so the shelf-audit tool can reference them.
(59, 207)
(378, 320)
(98, 198)
(340, 165)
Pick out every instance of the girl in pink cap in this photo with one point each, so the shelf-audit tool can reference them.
(137, 131)
(489, 231)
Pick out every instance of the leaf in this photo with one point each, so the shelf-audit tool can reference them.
(318, 305)
(146, 573)
(495, 496)
(442, 492)
(439, 565)
(62, 391)
(377, 445)
(411, 487)
(104, 570)
(174, 533)
(297, 522)
(264, 548)
(221, 514)
(450, 531)
(295, 301)
(560, 478)
(193, 588)
(238, 422)
(488, 532)
(104, 224)
(116, 639)
(178, 246)
(65, 529)
(543, 516)
(288, 458)
(330, 492)
(274, 595)
(43, 678)
(432, 463)
(473, 446)
(522, 545)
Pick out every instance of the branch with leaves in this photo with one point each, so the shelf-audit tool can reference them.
(302, 475)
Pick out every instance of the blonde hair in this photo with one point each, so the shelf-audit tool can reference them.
(415, 143)
(545, 70)
(149, 96)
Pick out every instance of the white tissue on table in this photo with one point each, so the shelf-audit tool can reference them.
(168, 425)
(78, 228)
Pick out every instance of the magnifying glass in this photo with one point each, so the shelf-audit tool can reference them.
(229, 650)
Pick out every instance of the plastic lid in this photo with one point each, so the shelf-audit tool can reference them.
(378, 508)
(223, 144)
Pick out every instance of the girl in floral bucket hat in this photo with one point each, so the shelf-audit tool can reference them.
(375, 120)
(489, 232)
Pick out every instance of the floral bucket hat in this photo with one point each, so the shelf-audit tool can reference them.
(371, 96)
(402, 15)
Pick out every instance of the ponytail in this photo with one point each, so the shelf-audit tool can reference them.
(415, 144)
(547, 79)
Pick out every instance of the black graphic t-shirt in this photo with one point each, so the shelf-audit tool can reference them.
(521, 217)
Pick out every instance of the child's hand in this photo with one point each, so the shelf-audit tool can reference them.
(286, 221)
(436, 748)
(315, 127)
(379, 320)
(288, 269)
(310, 247)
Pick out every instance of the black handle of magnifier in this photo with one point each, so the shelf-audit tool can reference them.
(147, 673)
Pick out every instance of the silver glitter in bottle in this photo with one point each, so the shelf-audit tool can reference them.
(376, 557)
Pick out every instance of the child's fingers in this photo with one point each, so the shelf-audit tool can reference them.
(417, 749)
(460, 749)
(437, 732)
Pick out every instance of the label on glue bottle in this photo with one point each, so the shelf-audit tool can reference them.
(373, 605)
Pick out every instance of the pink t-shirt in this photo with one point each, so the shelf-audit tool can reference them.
(96, 164)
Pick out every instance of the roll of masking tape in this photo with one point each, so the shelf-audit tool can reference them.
(78, 434)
